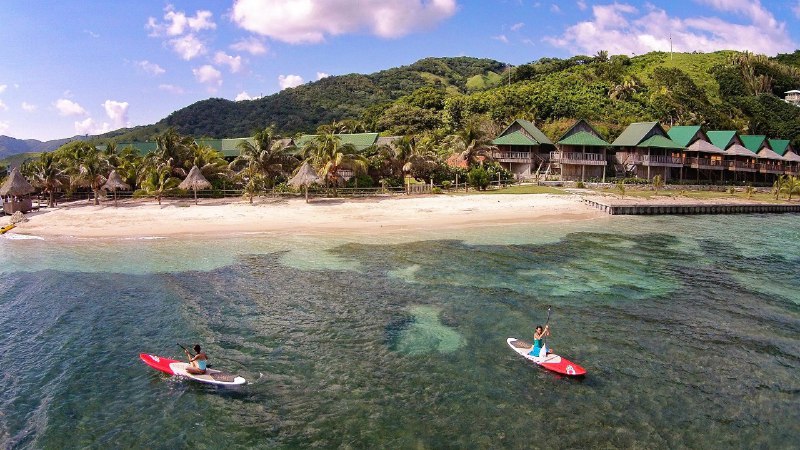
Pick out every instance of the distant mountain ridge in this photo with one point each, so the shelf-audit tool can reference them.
(12, 146)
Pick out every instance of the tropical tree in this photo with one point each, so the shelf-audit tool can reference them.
(92, 170)
(415, 156)
(158, 181)
(329, 157)
(210, 162)
(472, 143)
(658, 183)
(48, 175)
(266, 156)
(478, 178)
(173, 150)
(790, 186)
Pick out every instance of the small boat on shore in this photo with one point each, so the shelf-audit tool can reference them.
(6, 228)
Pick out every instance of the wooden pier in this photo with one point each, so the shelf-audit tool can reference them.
(685, 209)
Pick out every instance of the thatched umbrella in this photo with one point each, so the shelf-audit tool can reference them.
(113, 183)
(16, 185)
(305, 177)
(194, 181)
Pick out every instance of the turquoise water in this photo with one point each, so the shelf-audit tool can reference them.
(689, 328)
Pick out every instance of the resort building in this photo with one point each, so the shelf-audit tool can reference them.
(581, 153)
(769, 163)
(738, 159)
(783, 147)
(228, 147)
(523, 150)
(793, 97)
(701, 159)
(645, 150)
(359, 141)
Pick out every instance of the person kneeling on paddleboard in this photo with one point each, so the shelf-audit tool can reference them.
(199, 362)
(538, 349)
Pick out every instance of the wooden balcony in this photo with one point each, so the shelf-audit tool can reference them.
(578, 159)
(741, 166)
(660, 161)
(513, 157)
(771, 168)
(705, 163)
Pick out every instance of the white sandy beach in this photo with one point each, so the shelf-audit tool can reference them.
(143, 218)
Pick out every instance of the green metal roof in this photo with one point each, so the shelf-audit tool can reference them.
(142, 148)
(534, 132)
(779, 146)
(659, 141)
(753, 142)
(358, 140)
(583, 138)
(515, 138)
(634, 134)
(682, 135)
(721, 138)
(228, 147)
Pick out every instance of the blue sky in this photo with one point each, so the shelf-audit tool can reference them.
(86, 67)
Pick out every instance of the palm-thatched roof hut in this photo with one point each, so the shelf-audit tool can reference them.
(113, 183)
(194, 181)
(16, 186)
(304, 177)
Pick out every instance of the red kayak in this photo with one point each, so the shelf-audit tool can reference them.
(175, 367)
(551, 362)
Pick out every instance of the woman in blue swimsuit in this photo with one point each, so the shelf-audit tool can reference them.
(538, 349)
(198, 362)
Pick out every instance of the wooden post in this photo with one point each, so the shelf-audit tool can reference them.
(605, 166)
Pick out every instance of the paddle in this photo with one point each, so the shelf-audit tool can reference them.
(544, 338)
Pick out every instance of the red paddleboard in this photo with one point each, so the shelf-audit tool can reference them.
(175, 367)
(551, 362)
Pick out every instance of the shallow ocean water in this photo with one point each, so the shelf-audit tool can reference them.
(689, 328)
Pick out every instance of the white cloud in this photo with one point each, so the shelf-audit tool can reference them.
(91, 33)
(4, 126)
(582, 5)
(517, 26)
(234, 63)
(149, 67)
(89, 126)
(554, 8)
(188, 47)
(289, 81)
(117, 112)
(301, 21)
(3, 88)
(177, 22)
(208, 75)
(321, 75)
(3, 106)
(28, 107)
(251, 45)
(171, 88)
(501, 37)
(244, 96)
(69, 108)
(622, 29)
(796, 9)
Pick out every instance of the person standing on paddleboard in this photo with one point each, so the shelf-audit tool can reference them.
(199, 362)
(538, 348)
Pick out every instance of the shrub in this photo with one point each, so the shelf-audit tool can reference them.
(478, 178)
(580, 185)
(437, 190)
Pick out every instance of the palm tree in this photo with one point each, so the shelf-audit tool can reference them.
(174, 150)
(48, 175)
(472, 144)
(415, 156)
(790, 186)
(210, 162)
(266, 155)
(93, 169)
(329, 156)
(158, 181)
